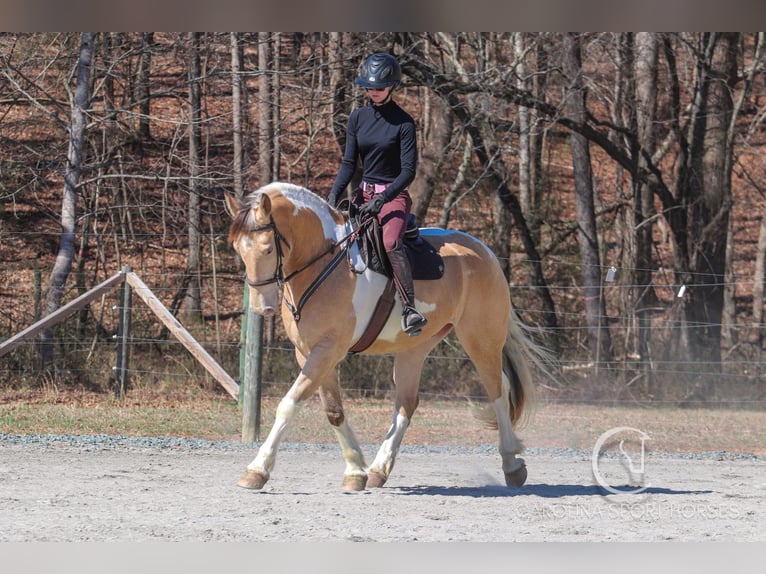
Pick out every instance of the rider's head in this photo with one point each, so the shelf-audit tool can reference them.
(380, 70)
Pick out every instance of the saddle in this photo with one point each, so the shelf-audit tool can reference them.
(425, 261)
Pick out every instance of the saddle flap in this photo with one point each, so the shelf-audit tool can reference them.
(425, 260)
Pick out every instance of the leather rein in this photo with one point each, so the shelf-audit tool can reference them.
(279, 277)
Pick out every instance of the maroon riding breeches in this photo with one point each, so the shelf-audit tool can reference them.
(393, 216)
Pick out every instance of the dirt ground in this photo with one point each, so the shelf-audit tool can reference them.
(51, 492)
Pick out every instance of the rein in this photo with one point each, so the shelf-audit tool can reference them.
(280, 279)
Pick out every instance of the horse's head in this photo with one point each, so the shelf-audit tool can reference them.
(254, 236)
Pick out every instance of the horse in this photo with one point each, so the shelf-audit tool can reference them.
(292, 241)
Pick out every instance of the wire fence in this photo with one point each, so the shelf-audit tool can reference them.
(85, 348)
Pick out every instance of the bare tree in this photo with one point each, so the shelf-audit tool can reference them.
(704, 190)
(192, 306)
(143, 85)
(453, 85)
(80, 103)
(525, 165)
(595, 307)
(645, 93)
(265, 154)
(236, 112)
(436, 139)
(730, 307)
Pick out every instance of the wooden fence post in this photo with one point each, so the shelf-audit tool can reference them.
(243, 341)
(123, 337)
(250, 394)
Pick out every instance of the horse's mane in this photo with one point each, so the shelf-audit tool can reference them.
(244, 222)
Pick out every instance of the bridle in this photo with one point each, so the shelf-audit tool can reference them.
(279, 277)
(278, 274)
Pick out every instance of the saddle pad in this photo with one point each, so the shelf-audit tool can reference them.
(425, 261)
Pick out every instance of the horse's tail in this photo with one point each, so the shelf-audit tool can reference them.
(519, 351)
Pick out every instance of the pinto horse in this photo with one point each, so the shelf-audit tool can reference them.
(292, 242)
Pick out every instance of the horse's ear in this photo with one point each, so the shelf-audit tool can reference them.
(233, 204)
(263, 213)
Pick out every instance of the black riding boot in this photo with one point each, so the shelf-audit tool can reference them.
(412, 320)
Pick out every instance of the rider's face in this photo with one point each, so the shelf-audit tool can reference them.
(379, 95)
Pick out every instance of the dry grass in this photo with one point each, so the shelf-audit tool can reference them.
(214, 416)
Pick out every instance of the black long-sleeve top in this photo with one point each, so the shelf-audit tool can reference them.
(384, 138)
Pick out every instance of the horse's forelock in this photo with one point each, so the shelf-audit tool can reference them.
(244, 220)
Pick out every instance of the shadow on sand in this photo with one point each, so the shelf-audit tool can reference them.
(541, 490)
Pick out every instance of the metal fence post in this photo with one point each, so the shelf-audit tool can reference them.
(123, 337)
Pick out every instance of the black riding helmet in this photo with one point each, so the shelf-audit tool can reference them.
(379, 70)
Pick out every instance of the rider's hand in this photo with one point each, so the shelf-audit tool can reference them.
(332, 199)
(373, 206)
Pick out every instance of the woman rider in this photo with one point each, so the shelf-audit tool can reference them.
(382, 134)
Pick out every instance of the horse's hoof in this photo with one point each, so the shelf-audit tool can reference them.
(517, 478)
(252, 479)
(375, 479)
(354, 482)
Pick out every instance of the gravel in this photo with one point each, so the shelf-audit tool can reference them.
(74, 488)
(104, 441)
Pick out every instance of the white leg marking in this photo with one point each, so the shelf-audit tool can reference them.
(264, 461)
(352, 453)
(510, 446)
(384, 460)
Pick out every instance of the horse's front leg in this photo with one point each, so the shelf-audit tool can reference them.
(258, 472)
(315, 373)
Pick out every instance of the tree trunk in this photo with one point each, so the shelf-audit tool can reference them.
(75, 157)
(758, 299)
(710, 197)
(192, 306)
(264, 110)
(646, 55)
(730, 306)
(276, 90)
(143, 89)
(595, 309)
(237, 132)
(537, 138)
(338, 86)
(525, 168)
(436, 138)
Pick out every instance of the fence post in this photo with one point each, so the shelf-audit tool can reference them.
(243, 341)
(250, 388)
(123, 337)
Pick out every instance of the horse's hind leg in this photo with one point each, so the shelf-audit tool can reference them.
(407, 369)
(355, 476)
(485, 348)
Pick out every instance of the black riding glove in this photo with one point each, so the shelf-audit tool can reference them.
(373, 206)
(332, 199)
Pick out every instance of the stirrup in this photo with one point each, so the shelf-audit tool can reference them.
(412, 321)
